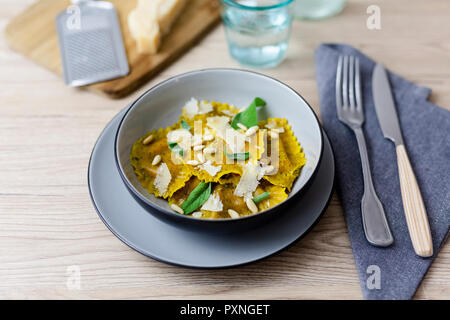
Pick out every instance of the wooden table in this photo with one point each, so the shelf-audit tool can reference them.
(47, 131)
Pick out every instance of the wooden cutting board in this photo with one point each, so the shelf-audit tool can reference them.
(33, 34)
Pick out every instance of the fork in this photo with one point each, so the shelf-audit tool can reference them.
(350, 112)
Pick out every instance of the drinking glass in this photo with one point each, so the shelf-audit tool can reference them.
(317, 9)
(257, 31)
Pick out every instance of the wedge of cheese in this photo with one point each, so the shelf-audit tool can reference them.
(145, 30)
(168, 12)
(151, 20)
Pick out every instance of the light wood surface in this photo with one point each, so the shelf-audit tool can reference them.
(33, 34)
(47, 132)
(415, 212)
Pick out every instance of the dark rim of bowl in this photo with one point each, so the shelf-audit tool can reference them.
(130, 245)
(216, 221)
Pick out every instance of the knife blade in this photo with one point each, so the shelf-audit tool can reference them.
(413, 206)
(385, 106)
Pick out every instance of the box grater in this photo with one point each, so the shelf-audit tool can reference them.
(90, 43)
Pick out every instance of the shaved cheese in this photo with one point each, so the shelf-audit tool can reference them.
(194, 107)
(191, 108)
(271, 125)
(205, 107)
(228, 112)
(207, 132)
(249, 180)
(263, 168)
(219, 124)
(177, 135)
(162, 179)
(235, 141)
(274, 126)
(213, 203)
(181, 136)
(208, 167)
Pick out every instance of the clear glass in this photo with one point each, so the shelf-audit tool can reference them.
(257, 31)
(317, 9)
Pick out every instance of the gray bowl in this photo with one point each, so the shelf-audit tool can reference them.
(161, 106)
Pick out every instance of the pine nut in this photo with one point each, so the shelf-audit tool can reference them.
(233, 214)
(176, 208)
(200, 157)
(197, 214)
(209, 150)
(148, 139)
(208, 137)
(251, 205)
(268, 169)
(156, 160)
(251, 131)
(240, 125)
(192, 162)
(198, 148)
(150, 171)
(198, 140)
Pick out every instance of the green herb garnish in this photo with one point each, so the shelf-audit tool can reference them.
(176, 148)
(238, 156)
(248, 117)
(197, 197)
(185, 125)
(261, 197)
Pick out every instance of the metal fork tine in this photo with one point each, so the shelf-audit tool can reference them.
(345, 83)
(358, 85)
(352, 115)
(351, 85)
(339, 83)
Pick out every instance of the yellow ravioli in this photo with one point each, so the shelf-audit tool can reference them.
(142, 157)
(225, 176)
(291, 156)
(229, 200)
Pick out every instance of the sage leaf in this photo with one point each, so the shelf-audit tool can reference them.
(248, 117)
(176, 148)
(238, 156)
(197, 197)
(185, 125)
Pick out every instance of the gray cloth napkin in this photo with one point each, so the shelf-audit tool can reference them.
(426, 132)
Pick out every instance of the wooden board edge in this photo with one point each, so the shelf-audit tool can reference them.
(8, 33)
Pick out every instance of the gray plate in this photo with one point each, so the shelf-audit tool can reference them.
(180, 246)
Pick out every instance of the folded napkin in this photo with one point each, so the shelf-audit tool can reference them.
(426, 132)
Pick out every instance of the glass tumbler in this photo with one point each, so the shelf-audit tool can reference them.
(257, 31)
(317, 9)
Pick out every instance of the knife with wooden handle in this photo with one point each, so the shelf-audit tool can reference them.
(415, 212)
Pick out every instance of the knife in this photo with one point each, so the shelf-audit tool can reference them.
(416, 215)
